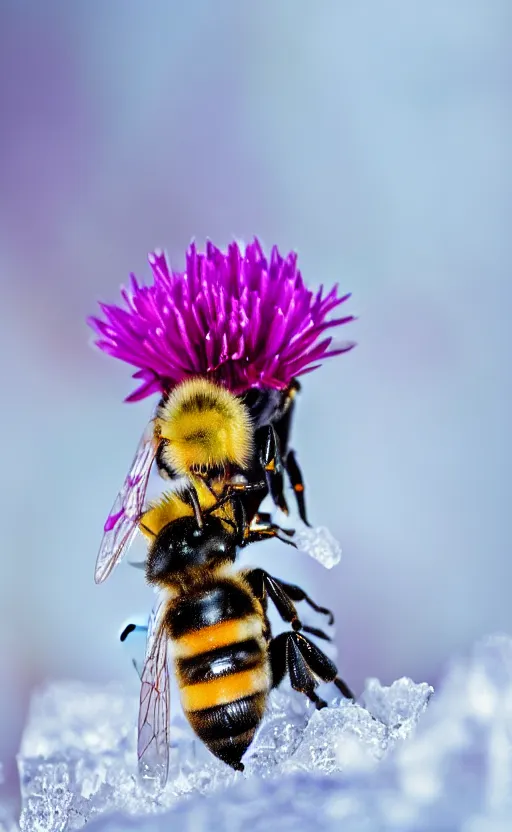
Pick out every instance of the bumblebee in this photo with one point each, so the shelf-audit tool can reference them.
(206, 434)
(225, 659)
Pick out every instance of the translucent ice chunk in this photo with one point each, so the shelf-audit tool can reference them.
(399, 706)
(319, 543)
(378, 765)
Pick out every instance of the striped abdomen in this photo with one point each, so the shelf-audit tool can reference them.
(221, 666)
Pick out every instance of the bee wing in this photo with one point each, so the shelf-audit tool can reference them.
(153, 736)
(121, 524)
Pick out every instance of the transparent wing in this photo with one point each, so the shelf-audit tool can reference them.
(153, 738)
(121, 524)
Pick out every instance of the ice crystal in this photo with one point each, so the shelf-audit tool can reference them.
(377, 765)
(319, 543)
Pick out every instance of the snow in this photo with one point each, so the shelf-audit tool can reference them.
(386, 763)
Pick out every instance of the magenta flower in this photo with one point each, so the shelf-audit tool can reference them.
(235, 318)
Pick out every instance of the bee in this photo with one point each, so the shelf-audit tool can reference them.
(225, 659)
(204, 433)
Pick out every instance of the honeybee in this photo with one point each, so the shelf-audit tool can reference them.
(225, 658)
(204, 433)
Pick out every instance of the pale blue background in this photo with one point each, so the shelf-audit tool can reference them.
(372, 137)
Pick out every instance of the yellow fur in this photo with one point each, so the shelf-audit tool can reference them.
(171, 506)
(204, 425)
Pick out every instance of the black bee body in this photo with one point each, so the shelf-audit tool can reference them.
(219, 636)
(225, 659)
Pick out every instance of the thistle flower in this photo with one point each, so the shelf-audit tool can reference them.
(236, 318)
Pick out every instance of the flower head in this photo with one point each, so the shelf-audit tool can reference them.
(236, 318)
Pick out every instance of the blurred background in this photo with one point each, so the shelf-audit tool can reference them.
(374, 138)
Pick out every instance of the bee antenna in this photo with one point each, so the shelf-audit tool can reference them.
(195, 505)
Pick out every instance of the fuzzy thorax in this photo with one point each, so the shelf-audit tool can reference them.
(173, 504)
(205, 427)
(168, 508)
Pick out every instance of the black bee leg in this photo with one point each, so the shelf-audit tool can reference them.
(264, 584)
(128, 630)
(276, 485)
(298, 594)
(343, 688)
(321, 665)
(239, 522)
(320, 703)
(277, 655)
(297, 483)
(286, 659)
(270, 459)
(268, 449)
(315, 632)
(255, 536)
(282, 426)
(305, 662)
(240, 519)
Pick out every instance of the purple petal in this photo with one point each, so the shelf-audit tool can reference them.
(242, 318)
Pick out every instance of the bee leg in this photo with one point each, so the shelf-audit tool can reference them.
(315, 632)
(240, 518)
(286, 659)
(255, 536)
(298, 594)
(282, 427)
(262, 522)
(320, 664)
(271, 462)
(297, 483)
(343, 688)
(304, 662)
(137, 660)
(276, 487)
(264, 584)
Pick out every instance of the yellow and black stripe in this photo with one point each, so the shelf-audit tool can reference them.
(222, 666)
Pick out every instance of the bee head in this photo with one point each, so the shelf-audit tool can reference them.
(182, 545)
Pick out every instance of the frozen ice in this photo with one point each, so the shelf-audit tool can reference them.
(319, 543)
(398, 760)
